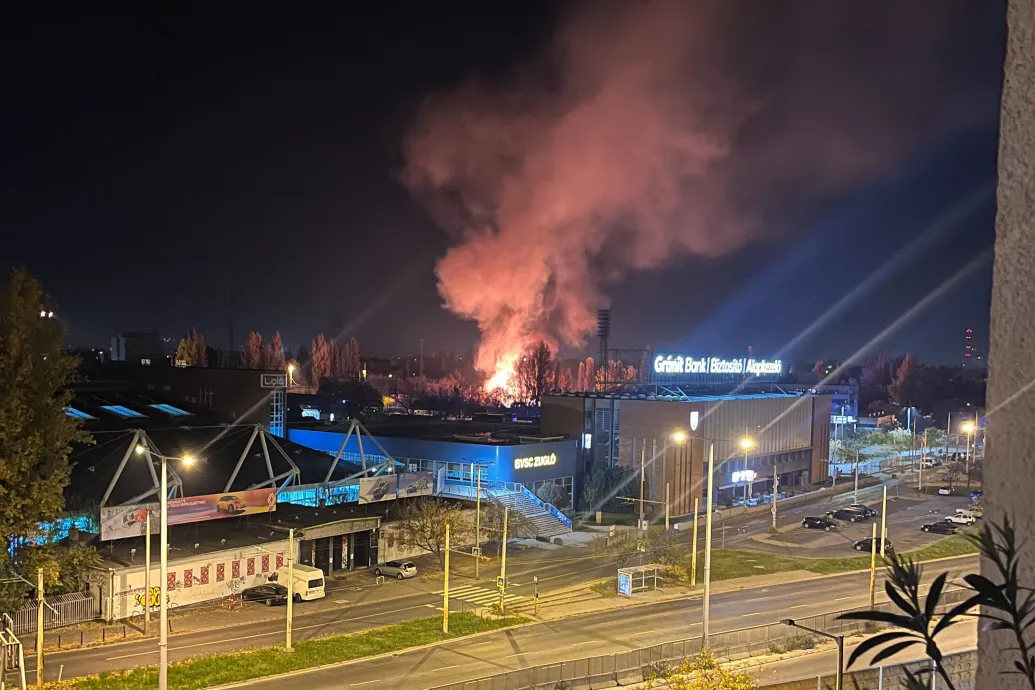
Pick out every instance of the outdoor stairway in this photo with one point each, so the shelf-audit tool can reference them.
(546, 524)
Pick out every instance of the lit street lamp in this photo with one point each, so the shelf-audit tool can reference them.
(291, 375)
(839, 639)
(747, 444)
(970, 429)
(163, 615)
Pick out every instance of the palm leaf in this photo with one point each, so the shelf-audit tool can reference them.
(934, 595)
(875, 642)
(881, 617)
(892, 650)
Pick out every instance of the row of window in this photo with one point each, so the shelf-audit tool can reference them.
(126, 413)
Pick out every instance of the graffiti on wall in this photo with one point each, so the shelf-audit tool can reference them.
(154, 598)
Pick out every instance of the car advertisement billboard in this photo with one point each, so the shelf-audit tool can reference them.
(416, 484)
(374, 489)
(120, 522)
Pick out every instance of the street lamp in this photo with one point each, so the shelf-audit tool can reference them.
(291, 375)
(970, 429)
(839, 639)
(747, 444)
(163, 615)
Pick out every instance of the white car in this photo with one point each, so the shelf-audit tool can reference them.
(399, 569)
(958, 519)
(970, 512)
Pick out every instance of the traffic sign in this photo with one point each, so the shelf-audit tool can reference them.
(499, 582)
(476, 551)
(535, 579)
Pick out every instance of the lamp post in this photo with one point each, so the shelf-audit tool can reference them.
(291, 375)
(839, 639)
(969, 428)
(747, 444)
(163, 610)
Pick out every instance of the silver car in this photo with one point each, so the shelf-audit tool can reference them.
(400, 569)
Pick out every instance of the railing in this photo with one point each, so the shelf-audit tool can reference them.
(69, 609)
(628, 667)
(458, 488)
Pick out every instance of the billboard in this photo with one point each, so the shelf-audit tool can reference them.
(120, 522)
(374, 489)
(415, 484)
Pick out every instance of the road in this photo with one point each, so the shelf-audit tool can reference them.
(591, 635)
(555, 569)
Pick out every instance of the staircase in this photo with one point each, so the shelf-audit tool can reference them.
(547, 525)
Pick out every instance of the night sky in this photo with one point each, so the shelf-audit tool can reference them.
(155, 164)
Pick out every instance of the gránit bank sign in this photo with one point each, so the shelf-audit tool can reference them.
(716, 366)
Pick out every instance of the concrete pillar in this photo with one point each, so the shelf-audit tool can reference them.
(1010, 435)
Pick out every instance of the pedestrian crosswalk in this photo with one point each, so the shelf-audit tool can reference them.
(481, 595)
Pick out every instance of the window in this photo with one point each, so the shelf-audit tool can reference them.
(123, 412)
(170, 410)
(145, 361)
(77, 414)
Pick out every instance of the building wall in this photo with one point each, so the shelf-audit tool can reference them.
(502, 456)
(207, 577)
(820, 439)
(1009, 478)
(236, 394)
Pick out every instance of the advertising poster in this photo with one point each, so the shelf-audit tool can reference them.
(120, 522)
(374, 489)
(415, 484)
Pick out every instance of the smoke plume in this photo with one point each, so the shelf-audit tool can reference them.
(653, 130)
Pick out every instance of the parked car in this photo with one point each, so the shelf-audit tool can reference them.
(818, 523)
(864, 509)
(958, 519)
(847, 515)
(270, 594)
(940, 527)
(230, 504)
(976, 495)
(866, 545)
(973, 512)
(945, 491)
(308, 583)
(400, 569)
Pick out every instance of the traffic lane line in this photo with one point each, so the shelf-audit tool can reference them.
(576, 644)
(267, 634)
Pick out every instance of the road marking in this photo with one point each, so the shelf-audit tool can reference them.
(265, 634)
(341, 601)
(843, 598)
(799, 606)
(577, 644)
(364, 682)
(748, 601)
(759, 613)
(443, 668)
(645, 632)
(479, 644)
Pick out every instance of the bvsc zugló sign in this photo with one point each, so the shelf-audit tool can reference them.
(535, 461)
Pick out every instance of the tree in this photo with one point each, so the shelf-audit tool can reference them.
(554, 494)
(603, 488)
(275, 357)
(350, 366)
(518, 526)
(321, 363)
(905, 388)
(191, 351)
(533, 373)
(254, 354)
(35, 432)
(423, 525)
(564, 384)
(614, 377)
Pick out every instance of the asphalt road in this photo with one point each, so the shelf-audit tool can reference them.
(592, 635)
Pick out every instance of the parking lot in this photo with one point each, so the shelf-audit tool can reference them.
(905, 515)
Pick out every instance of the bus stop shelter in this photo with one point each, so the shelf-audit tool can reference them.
(638, 578)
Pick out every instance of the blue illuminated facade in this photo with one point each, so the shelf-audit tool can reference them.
(530, 464)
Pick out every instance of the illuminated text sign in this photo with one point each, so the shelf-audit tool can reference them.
(535, 461)
(716, 366)
(744, 476)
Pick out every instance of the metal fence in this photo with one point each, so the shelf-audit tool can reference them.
(68, 609)
(625, 667)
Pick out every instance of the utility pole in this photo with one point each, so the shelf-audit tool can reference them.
(706, 606)
(291, 587)
(503, 563)
(873, 564)
(477, 522)
(883, 520)
(948, 430)
(147, 573)
(666, 507)
(776, 488)
(163, 608)
(856, 499)
(693, 559)
(39, 628)
(445, 583)
(643, 462)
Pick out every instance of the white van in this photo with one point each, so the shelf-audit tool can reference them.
(308, 583)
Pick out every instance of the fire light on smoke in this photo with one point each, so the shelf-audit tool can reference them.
(502, 377)
(652, 139)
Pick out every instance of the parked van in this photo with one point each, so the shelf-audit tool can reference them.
(308, 581)
(975, 513)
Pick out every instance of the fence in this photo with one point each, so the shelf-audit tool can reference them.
(69, 609)
(626, 667)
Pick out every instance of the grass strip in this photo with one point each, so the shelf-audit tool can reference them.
(220, 669)
(727, 565)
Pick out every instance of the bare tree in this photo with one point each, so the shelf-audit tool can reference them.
(321, 360)
(254, 354)
(518, 526)
(275, 354)
(423, 525)
(533, 373)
